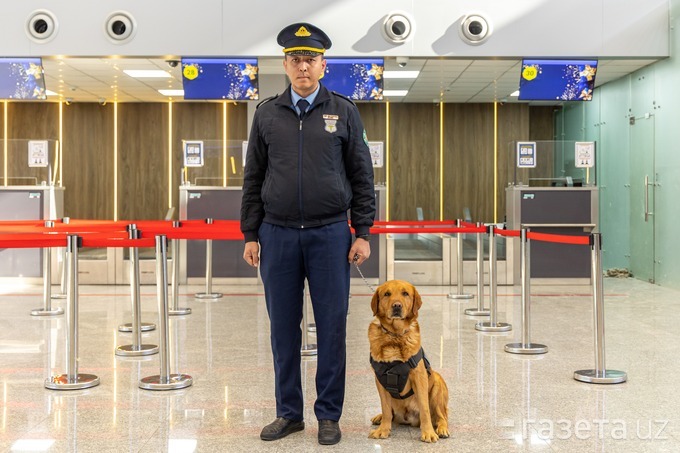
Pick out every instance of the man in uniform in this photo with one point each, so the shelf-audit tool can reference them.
(307, 164)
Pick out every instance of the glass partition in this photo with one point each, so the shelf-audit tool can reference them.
(556, 163)
(32, 162)
(213, 162)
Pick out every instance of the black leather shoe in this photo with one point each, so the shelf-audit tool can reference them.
(280, 428)
(329, 432)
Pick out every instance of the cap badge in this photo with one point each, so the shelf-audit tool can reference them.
(302, 32)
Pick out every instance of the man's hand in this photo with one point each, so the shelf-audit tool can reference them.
(251, 253)
(361, 250)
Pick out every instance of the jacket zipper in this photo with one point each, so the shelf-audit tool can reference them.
(302, 216)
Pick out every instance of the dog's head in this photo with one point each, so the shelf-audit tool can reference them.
(396, 299)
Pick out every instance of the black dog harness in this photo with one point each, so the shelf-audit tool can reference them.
(394, 375)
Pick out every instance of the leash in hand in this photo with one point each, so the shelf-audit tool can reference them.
(356, 257)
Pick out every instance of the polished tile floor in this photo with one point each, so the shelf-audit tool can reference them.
(498, 401)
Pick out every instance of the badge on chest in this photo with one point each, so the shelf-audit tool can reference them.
(330, 121)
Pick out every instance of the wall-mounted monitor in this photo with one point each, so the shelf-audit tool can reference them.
(557, 80)
(21, 78)
(358, 79)
(220, 78)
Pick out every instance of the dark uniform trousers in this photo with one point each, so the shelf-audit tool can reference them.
(287, 256)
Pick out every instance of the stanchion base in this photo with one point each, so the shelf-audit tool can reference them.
(477, 312)
(208, 295)
(180, 311)
(488, 327)
(173, 382)
(311, 327)
(58, 296)
(62, 382)
(129, 350)
(145, 326)
(43, 312)
(530, 348)
(608, 377)
(309, 350)
(460, 296)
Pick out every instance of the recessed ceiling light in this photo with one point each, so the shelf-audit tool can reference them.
(400, 74)
(171, 92)
(147, 73)
(515, 93)
(395, 92)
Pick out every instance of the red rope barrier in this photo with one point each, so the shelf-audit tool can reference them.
(414, 223)
(559, 238)
(506, 233)
(29, 241)
(382, 230)
(89, 241)
(107, 233)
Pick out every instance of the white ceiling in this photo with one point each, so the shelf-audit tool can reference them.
(445, 79)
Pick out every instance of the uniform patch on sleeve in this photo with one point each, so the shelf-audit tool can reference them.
(365, 138)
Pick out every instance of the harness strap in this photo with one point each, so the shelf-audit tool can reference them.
(394, 375)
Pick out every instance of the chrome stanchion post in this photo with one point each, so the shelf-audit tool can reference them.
(599, 375)
(525, 346)
(480, 310)
(133, 233)
(47, 309)
(174, 308)
(164, 380)
(208, 294)
(307, 348)
(492, 325)
(459, 271)
(62, 268)
(72, 380)
(136, 348)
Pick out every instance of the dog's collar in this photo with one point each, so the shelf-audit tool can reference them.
(394, 334)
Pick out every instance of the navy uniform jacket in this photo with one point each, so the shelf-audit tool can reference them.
(309, 172)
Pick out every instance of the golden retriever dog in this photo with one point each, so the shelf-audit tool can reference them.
(394, 336)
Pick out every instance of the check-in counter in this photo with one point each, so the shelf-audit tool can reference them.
(422, 258)
(40, 202)
(224, 203)
(228, 266)
(431, 259)
(554, 210)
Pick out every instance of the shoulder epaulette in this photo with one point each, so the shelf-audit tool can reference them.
(264, 101)
(343, 97)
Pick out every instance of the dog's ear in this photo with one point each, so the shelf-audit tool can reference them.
(375, 301)
(417, 301)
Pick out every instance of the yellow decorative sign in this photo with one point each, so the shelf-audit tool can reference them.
(302, 32)
(529, 72)
(190, 71)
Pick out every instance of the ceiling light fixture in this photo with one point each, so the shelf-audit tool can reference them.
(395, 93)
(400, 74)
(171, 92)
(147, 73)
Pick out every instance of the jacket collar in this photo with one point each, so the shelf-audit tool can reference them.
(286, 101)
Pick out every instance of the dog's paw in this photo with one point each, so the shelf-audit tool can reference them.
(377, 419)
(429, 436)
(443, 431)
(379, 433)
